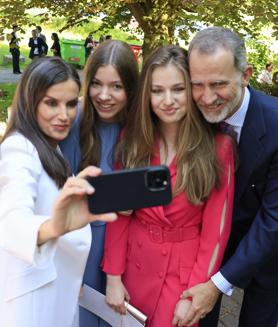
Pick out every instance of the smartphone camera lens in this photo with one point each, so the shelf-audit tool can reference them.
(157, 180)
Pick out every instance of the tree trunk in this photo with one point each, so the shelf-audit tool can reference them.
(156, 23)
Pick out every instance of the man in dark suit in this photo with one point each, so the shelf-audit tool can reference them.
(42, 36)
(220, 76)
(37, 46)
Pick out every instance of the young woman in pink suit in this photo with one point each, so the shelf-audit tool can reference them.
(154, 254)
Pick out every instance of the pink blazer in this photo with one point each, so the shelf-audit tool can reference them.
(181, 240)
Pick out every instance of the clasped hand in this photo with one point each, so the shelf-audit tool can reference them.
(203, 298)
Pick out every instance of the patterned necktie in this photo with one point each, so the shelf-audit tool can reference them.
(228, 129)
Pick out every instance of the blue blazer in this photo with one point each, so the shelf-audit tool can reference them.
(255, 217)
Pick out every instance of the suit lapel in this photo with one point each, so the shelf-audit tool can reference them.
(250, 145)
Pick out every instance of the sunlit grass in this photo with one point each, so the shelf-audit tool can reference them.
(4, 50)
(6, 96)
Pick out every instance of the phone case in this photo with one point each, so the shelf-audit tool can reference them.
(130, 189)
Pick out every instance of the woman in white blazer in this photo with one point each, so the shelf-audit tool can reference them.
(44, 233)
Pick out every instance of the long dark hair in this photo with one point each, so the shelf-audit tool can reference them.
(121, 57)
(37, 78)
(55, 37)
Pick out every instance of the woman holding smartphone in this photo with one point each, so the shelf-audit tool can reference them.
(110, 85)
(158, 252)
(44, 219)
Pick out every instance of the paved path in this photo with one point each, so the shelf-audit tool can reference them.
(230, 309)
(7, 76)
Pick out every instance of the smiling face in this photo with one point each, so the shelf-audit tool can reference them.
(168, 94)
(107, 93)
(217, 86)
(57, 110)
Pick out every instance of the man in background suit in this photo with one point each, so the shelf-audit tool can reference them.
(220, 75)
(36, 45)
(42, 36)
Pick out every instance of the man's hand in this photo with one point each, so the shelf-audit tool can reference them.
(204, 297)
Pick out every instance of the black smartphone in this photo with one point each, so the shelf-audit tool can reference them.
(128, 189)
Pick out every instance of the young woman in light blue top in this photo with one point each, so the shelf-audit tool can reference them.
(109, 87)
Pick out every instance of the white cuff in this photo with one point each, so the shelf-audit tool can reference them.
(222, 284)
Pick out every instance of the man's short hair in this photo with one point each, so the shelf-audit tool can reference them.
(210, 39)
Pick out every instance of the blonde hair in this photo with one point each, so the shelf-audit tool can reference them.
(196, 161)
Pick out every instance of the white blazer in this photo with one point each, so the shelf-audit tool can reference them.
(39, 286)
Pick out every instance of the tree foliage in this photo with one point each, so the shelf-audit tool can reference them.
(159, 20)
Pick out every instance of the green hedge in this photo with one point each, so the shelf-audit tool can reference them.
(268, 89)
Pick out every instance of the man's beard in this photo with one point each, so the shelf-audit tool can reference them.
(219, 115)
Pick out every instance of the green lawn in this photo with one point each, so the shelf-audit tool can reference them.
(6, 95)
(7, 89)
(4, 50)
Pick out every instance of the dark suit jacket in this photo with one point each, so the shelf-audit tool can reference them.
(41, 44)
(255, 218)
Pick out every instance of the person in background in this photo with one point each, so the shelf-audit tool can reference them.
(14, 49)
(42, 36)
(101, 39)
(154, 254)
(36, 45)
(55, 48)
(275, 78)
(275, 84)
(110, 85)
(265, 77)
(108, 37)
(89, 45)
(45, 235)
(220, 75)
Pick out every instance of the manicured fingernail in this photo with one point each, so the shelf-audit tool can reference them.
(90, 189)
(113, 216)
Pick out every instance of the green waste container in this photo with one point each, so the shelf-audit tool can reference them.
(73, 51)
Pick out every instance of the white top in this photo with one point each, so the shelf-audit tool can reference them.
(36, 50)
(39, 286)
